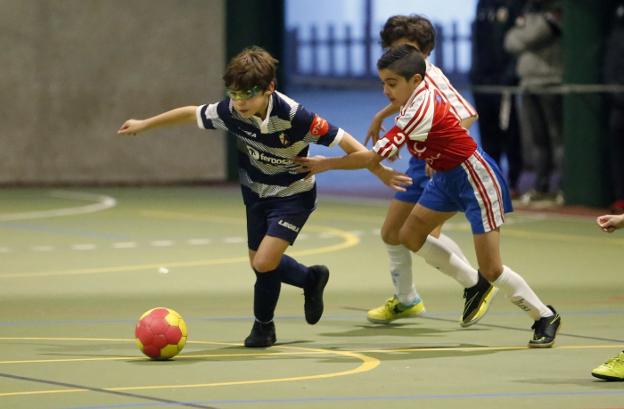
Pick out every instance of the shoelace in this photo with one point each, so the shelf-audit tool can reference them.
(616, 359)
(390, 303)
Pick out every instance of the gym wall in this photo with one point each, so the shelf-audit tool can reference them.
(73, 71)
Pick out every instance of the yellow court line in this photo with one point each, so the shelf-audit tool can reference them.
(368, 364)
(348, 240)
(472, 349)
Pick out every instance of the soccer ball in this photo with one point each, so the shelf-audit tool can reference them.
(160, 333)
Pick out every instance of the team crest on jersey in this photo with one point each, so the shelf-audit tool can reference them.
(319, 126)
(283, 139)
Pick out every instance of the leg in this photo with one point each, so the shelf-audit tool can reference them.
(534, 118)
(420, 222)
(266, 290)
(512, 284)
(546, 319)
(488, 107)
(406, 301)
(400, 258)
(437, 252)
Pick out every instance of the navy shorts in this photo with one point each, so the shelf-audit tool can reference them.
(281, 217)
(416, 171)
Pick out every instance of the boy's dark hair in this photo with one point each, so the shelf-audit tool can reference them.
(252, 67)
(414, 28)
(404, 60)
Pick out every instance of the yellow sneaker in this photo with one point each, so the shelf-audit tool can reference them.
(393, 310)
(612, 370)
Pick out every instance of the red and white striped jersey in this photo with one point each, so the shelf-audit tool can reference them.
(459, 106)
(430, 129)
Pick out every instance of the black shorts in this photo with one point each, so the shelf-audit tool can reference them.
(281, 217)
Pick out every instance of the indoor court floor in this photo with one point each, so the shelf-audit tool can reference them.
(79, 266)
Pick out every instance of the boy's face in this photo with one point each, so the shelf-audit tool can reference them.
(396, 88)
(251, 102)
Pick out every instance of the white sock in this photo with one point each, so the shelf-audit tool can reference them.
(437, 254)
(401, 271)
(451, 245)
(519, 292)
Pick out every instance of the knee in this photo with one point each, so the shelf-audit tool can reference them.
(491, 273)
(390, 236)
(410, 240)
(263, 264)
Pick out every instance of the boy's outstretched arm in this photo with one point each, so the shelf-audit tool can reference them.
(175, 116)
(358, 157)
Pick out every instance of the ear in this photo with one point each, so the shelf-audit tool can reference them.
(416, 79)
(270, 88)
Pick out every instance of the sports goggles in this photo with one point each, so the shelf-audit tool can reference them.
(243, 95)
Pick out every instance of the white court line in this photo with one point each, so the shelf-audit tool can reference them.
(161, 243)
(234, 240)
(199, 242)
(83, 247)
(102, 203)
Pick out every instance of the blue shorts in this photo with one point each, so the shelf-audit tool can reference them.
(476, 187)
(416, 171)
(281, 217)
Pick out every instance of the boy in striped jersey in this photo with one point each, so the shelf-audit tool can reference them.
(271, 130)
(466, 179)
(439, 250)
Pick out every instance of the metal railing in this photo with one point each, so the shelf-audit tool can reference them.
(338, 58)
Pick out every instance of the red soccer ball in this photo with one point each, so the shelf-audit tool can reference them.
(160, 333)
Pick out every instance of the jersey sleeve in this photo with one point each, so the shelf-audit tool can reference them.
(391, 143)
(459, 106)
(208, 116)
(316, 128)
(415, 119)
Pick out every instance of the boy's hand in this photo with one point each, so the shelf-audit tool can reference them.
(312, 164)
(610, 222)
(373, 130)
(132, 127)
(393, 179)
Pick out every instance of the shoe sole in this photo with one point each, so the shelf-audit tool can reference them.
(321, 288)
(607, 377)
(381, 321)
(550, 344)
(260, 346)
(479, 315)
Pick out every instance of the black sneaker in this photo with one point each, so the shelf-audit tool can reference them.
(313, 304)
(261, 336)
(545, 330)
(477, 301)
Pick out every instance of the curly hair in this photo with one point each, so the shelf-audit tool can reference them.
(414, 28)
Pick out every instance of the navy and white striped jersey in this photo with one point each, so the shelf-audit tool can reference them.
(266, 147)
